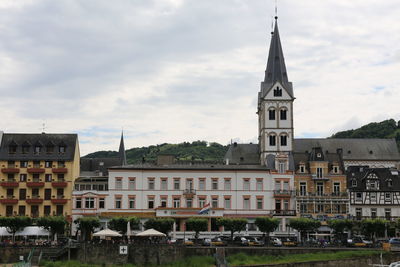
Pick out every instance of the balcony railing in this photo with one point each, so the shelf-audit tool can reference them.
(10, 170)
(9, 184)
(189, 192)
(316, 194)
(315, 177)
(283, 193)
(283, 212)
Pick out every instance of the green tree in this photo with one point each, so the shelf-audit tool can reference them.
(373, 227)
(267, 225)
(87, 225)
(120, 224)
(197, 225)
(163, 225)
(15, 224)
(232, 224)
(304, 225)
(55, 225)
(339, 226)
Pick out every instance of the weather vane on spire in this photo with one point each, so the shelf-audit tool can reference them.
(276, 9)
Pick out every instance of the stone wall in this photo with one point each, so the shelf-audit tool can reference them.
(362, 261)
(11, 254)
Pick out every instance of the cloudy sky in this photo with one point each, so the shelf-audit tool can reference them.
(184, 70)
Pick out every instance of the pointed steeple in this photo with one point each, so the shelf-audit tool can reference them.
(276, 68)
(121, 151)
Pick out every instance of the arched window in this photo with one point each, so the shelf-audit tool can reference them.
(283, 140)
(283, 114)
(271, 113)
(272, 140)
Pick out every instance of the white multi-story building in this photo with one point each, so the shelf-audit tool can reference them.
(180, 191)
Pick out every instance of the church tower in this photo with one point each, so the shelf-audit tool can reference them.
(275, 106)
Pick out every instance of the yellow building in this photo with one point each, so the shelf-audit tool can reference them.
(320, 182)
(37, 173)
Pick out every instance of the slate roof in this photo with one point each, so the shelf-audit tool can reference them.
(312, 155)
(243, 154)
(93, 166)
(276, 68)
(352, 148)
(360, 173)
(195, 167)
(44, 139)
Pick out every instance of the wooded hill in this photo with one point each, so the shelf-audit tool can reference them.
(383, 129)
(202, 150)
(197, 151)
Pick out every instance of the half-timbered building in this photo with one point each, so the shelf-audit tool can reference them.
(374, 192)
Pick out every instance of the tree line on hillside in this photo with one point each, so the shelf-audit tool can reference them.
(197, 151)
(203, 150)
(384, 129)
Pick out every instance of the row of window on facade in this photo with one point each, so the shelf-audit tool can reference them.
(272, 139)
(35, 193)
(373, 213)
(36, 177)
(34, 210)
(326, 208)
(319, 189)
(215, 185)
(372, 197)
(319, 171)
(91, 187)
(37, 148)
(177, 202)
(282, 114)
(372, 184)
(35, 164)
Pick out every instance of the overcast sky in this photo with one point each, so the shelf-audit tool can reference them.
(184, 70)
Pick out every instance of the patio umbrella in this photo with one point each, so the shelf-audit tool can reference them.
(151, 232)
(107, 232)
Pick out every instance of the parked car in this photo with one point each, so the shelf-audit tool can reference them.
(276, 242)
(240, 241)
(308, 216)
(216, 241)
(289, 241)
(394, 241)
(359, 241)
(254, 241)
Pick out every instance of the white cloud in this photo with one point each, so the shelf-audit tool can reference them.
(175, 70)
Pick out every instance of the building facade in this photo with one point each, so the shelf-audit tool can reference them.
(374, 192)
(320, 182)
(37, 174)
(180, 191)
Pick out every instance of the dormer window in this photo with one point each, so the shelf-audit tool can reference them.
(62, 148)
(277, 91)
(302, 168)
(281, 166)
(25, 148)
(12, 148)
(372, 185)
(353, 183)
(335, 169)
(49, 148)
(389, 182)
(37, 148)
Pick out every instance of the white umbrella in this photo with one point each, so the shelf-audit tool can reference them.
(107, 232)
(33, 231)
(151, 232)
(4, 232)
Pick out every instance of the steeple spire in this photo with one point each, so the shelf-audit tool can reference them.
(121, 152)
(276, 68)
